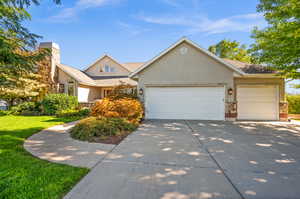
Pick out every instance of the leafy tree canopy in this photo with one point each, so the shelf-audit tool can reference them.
(18, 61)
(278, 45)
(231, 50)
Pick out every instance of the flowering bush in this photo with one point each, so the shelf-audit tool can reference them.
(126, 108)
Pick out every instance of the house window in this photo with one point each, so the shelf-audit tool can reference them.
(71, 88)
(106, 92)
(109, 69)
(61, 88)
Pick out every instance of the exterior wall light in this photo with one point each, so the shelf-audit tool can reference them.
(230, 91)
(141, 92)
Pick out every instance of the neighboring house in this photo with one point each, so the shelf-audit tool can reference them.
(183, 82)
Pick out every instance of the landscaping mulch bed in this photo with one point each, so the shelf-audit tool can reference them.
(111, 140)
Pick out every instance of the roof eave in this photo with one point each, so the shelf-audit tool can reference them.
(75, 78)
(263, 75)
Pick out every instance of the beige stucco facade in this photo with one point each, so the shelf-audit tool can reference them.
(186, 65)
(65, 79)
(191, 69)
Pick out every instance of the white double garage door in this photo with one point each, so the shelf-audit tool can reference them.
(208, 103)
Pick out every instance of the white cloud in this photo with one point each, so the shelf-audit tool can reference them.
(199, 24)
(70, 13)
(67, 13)
(132, 29)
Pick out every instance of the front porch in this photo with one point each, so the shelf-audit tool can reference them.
(88, 95)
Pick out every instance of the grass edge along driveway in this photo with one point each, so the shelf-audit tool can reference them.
(23, 176)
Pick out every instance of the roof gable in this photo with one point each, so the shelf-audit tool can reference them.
(147, 64)
(84, 79)
(101, 58)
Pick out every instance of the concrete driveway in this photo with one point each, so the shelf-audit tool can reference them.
(199, 160)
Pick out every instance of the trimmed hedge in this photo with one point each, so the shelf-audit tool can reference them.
(27, 108)
(90, 128)
(71, 113)
(294, 104)
(56, 103)
(4, 113)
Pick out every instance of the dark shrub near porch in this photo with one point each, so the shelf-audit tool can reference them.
(55, 103)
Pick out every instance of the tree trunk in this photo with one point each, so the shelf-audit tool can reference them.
(10, 103)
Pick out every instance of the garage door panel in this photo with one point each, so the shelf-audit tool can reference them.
(257, 103)
(185, 103)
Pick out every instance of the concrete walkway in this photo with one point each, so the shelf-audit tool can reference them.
(55, 144)
(199, 160)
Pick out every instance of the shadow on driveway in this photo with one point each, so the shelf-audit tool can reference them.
(199, 159)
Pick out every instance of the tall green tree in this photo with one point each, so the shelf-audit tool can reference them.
(278, 45)
(18, 60)
(231, 50)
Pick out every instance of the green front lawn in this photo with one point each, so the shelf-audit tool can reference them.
(21, 174)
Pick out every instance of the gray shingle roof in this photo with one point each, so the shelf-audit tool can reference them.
(132, 66)
(104, 81)
(250, 68)
(115, 81)
(78, 75)
(84, 79)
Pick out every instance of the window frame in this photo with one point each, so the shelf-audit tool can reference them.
(109, 69)
(71, 88)
(61, 88)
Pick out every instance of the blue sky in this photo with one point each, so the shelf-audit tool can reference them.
(137, 30)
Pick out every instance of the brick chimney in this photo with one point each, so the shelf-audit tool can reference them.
(47, 68)
(55, 56)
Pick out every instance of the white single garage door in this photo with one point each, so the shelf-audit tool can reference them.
(257, 102)
(191, 103)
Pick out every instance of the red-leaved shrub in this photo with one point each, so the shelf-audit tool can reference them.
(126, 108)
